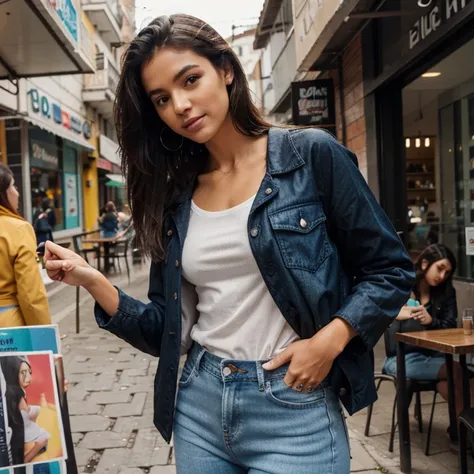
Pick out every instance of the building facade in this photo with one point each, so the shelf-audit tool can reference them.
(56, 126)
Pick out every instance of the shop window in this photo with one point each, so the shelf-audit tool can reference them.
(54, 175)
(438, 121)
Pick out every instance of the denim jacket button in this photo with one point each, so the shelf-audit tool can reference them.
(175, 296)
(268, 191)
(169, 233)
(176, 264)
(254, 232)
(342, 392)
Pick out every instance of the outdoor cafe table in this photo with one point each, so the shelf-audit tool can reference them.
(106, 242)
(450, 342)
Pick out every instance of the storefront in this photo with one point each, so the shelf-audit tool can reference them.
(46, 146)
(419, 110)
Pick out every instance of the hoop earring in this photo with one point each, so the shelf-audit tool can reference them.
(164, 146)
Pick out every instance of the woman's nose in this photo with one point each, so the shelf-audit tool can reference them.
(181, 104)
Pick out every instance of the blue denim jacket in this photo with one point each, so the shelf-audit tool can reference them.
(324, 248)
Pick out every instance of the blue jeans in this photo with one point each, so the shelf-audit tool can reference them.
(233, 417)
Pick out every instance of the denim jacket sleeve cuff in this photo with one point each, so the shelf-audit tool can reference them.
(114, 323)
(365, 317)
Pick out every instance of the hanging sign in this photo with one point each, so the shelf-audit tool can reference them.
(313, 103)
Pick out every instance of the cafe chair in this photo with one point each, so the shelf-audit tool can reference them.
(414, 387)
(119, 250)
(85, 251)
(466, 427)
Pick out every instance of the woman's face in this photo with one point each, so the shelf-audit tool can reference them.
(188, 93)
(438, 273)
(24, 375)
(13, 195)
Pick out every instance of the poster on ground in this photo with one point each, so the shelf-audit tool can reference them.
(31, 429)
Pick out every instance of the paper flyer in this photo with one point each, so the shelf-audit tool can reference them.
(31, 429)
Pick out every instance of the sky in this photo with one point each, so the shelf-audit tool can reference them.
(220, 14)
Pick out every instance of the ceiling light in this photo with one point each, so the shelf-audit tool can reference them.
(407, 143)
(427, 142)
(417, 143)
(431, 74)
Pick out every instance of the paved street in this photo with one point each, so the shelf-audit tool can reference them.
(111, 396)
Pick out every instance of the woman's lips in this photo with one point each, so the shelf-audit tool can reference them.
(194, 125)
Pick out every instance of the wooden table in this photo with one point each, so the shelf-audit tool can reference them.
(106, 242)
(450, 342)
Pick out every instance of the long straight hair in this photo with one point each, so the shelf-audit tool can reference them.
(432, 254)
(156, 176)
(6, 178)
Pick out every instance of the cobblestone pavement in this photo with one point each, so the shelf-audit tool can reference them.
(111, 395)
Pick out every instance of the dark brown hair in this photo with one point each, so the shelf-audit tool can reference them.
(432, 254)
(154, 175)
(6, 178)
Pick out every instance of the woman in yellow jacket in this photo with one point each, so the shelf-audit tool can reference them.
(23, 300)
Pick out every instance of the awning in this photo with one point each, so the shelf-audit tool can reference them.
(116, 181)
(59, 131)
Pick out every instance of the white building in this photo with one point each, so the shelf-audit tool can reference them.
(56, 104)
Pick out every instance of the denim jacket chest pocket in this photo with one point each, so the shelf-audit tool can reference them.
(301, 235)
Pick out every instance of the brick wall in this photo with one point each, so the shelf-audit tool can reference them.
(353, 102)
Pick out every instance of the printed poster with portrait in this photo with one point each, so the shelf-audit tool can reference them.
(31, 428)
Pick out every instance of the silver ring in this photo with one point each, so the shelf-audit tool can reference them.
(300, 386)
(309, 388)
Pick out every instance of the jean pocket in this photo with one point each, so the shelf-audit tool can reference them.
(188, 374)
(280, 394)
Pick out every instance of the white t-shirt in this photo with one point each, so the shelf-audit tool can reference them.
(236, 316)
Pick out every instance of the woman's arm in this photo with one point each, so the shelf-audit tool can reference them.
(447, 317)
(370, 249)
(139, 324)
(31, 292)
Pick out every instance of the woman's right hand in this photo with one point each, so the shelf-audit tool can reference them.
(66, 266)
(405, 313)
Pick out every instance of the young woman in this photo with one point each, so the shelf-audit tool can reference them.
(274, 268)
(109, 221)
(435, 299)
(23, 300)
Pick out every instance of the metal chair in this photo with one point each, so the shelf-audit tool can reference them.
(414, 387)
(120, 250)
(85, 251)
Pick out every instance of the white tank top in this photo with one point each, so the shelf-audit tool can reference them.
(237, 317)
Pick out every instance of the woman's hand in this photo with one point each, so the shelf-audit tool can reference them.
(312, 359)
(420, 314)
(66, 266)
(406, 313)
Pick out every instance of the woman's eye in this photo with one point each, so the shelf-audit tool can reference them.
(191, 80)
(161, 101)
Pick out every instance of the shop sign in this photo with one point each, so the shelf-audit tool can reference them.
(104, 164)
(313, 103)
(68, 15)
(434, 14)
(42, 157)
(41, 104)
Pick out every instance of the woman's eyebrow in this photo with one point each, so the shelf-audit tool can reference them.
(176, 77)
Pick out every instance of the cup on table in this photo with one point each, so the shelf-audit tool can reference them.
(467, 316)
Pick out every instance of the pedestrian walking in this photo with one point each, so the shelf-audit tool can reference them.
(273, 266)
(44, 222)
(23, 300)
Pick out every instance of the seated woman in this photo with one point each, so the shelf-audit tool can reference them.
(109, 221)
(432, 306)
